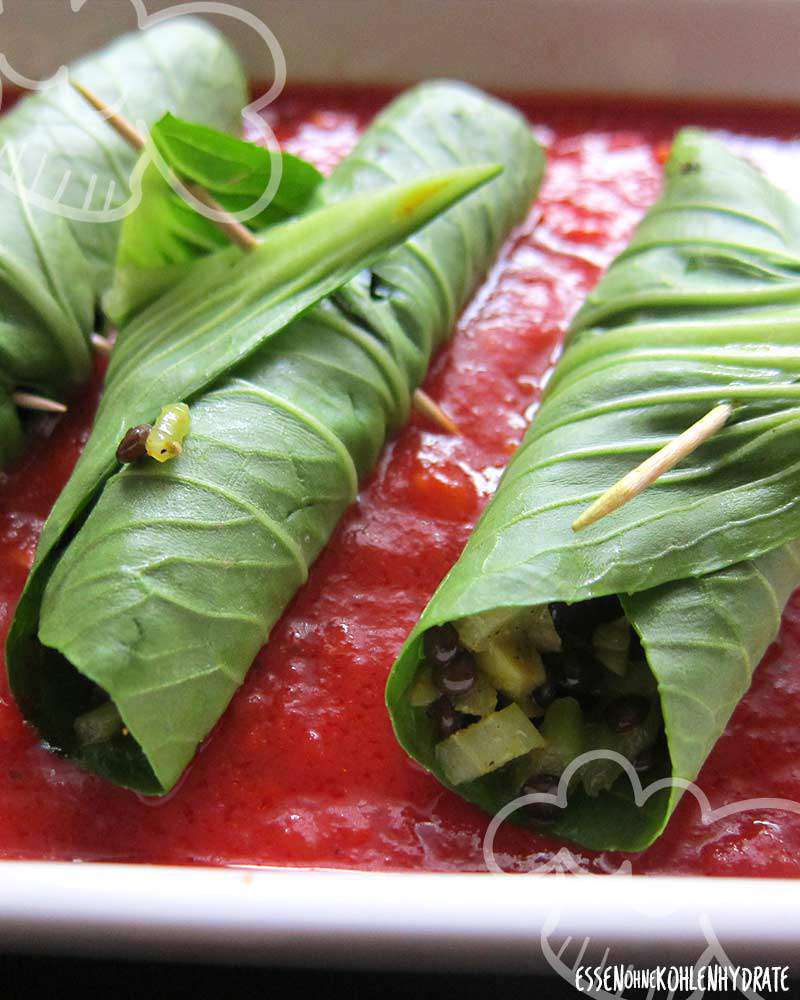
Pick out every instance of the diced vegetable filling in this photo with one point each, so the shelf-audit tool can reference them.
(535, 688)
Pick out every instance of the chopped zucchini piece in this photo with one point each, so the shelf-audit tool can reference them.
(99, 725)
(611, 642)
(637, 679)
(423, 691)
(564, 735)
(481, 699)
(530, 707)
(486, 745)
(510, 670)
(533, 625)
(537, 625)
(477, 631)
(599, 775)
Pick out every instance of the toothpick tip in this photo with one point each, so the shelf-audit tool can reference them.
(101, 344)
(236, 231)
(428, 408)
(30, 401)
(603, 506)
(583, 521)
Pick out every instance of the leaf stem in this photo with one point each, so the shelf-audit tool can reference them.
(644, 475)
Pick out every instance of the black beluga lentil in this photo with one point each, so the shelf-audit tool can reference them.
(457, 676)
(542, 812)
(447, 719)
(440, 644)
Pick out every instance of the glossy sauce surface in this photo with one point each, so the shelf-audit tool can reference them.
(303, 769)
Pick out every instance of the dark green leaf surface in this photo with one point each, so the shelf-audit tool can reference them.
(180, 570)
(61, 166)
(703, 306)
(165, 233)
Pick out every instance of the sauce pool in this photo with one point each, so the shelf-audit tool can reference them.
(303, 769)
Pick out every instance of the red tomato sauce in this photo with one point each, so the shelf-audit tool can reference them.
(303, 769)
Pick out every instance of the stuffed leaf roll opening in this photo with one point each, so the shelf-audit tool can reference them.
(578, 678)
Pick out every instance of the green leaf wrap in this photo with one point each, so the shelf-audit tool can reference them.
(703, 306)
(176, 576)
(165, 233)
(54, 266)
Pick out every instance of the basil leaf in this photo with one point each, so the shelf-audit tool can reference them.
(62, 170)
(235, 171)
(180, 570)
(703, 306)
(164, 232)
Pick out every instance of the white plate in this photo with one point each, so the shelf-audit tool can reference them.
(414, 921)
(722, 48)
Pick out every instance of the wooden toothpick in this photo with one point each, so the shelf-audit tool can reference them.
(30, 401)
(424, 405)
(652, 468)
(121, 125)
(236, 233)
(233, 229)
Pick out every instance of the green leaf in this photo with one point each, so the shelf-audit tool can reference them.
(164, 232)
(62, 168)
(177, 572)
(703, 306)
(10, 430)
(235, 171)
(231, 303)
